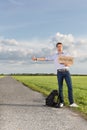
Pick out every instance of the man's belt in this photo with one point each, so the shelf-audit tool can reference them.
(62, 70)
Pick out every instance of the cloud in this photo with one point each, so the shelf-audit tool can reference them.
(76, 46)
(8, 42)
(20, 52)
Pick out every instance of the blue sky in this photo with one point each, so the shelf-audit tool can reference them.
(26, 24)
(26, 19)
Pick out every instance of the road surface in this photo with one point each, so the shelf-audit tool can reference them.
(23, 109)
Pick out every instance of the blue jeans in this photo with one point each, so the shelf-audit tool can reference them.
(61, 76)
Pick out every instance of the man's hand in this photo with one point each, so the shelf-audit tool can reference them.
(34, 58)
(66, 64)
(38, 59)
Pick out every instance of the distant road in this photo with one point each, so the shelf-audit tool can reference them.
(23, 109)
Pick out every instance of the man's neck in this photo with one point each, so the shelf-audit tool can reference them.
(60, 52)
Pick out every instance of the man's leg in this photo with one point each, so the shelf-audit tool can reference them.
(69, 85)
(60, 85)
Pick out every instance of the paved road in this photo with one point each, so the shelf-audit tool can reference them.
(23, 109)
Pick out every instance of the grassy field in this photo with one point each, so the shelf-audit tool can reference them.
(45, 84)
(1, 76)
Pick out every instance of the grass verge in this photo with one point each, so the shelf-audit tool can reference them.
(45, 84)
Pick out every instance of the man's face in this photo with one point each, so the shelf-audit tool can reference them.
(60, 48)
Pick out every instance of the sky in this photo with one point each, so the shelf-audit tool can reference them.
(33, 27)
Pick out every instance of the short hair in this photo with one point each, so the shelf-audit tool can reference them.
(59, 43)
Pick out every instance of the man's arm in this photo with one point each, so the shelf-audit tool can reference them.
(38, 59)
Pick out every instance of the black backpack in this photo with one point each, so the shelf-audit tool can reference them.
(50, 100)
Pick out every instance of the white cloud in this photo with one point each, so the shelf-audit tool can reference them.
(26, 49)
(13, 52)
(8, 42)
(65, 38)
(76, 46)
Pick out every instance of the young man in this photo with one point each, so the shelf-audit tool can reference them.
(62, 73)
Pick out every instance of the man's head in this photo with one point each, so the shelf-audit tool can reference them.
(59, 47)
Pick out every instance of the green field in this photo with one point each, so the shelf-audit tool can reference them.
(1, 76)
(45, 84)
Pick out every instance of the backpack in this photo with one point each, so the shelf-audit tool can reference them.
(52, 99)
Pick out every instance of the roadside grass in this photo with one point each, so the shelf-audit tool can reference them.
(1, 76)
(45, 84)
